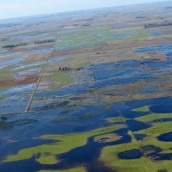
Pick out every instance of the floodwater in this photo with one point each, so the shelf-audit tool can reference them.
(49, 115)
(34, 124)
(12, 61)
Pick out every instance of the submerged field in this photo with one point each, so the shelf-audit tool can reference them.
(89, 94)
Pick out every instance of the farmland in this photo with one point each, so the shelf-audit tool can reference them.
(87, 91)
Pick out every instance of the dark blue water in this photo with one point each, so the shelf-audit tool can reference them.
(140, 137)
(75, 124)
(134, 125)
(167, 137)
(87, 155)
(163, 106)
(150, 151)
(131, 154)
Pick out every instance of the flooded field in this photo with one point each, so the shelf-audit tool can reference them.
(91, 94)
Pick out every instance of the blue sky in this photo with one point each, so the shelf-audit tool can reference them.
(16, 8)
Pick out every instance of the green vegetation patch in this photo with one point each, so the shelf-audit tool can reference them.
(128, 35)
(142, 109)
(105, 138)
(78, 169)
(62, 78)
(64, 144)
(139, 34)
(154, 116)
(6, 73)
(84, 37)
(47, 159)
(157, 129)
(109, 155)
(2, 97)
(115, 119)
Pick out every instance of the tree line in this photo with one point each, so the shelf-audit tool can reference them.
(11, 46)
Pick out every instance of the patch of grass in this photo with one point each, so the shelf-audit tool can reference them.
(105, 138)
(84, 63)
(6, 73)
(128, 35)
(157, 129)
(62, 78)
(154, 116)
(2, 97)
(115, 119)
(47, 159)
(64, 144)
(28, 61)
(142, 109)
(110, 154)
(139, 34)
(83, 37)
(77, 169)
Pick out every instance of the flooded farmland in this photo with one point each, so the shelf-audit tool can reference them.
(91, 94)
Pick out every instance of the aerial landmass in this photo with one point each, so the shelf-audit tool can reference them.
(87, 91)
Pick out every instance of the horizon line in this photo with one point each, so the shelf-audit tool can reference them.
(68, 11)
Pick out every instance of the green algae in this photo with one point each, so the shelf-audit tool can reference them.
(77, 169)
(142, 109)
(64, 144)
(154, 116)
